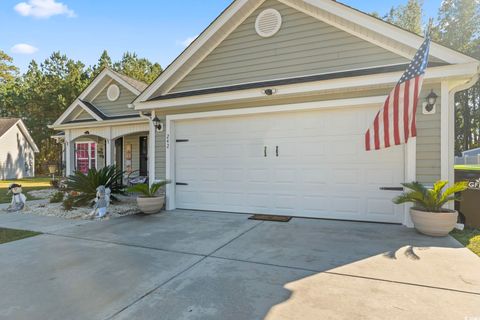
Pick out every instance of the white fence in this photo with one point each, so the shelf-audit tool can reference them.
(469, 160)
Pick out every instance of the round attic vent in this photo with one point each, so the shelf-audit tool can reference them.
(268, 23)
(113, 92)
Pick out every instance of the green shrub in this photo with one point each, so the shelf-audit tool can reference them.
(57, 197)
(147, 191)
(430, 200)
(86, 184)
(69, 203)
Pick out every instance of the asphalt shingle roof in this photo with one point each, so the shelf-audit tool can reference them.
(6, 124)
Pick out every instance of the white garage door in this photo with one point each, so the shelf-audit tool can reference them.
(308, 164)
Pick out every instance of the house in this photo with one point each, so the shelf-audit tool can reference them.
(17, 150)
(99, 128)
(469, 157)
(266, 111)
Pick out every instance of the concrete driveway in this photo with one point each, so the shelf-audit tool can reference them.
(198, 265)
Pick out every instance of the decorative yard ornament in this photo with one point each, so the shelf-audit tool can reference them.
(102, 202)
(395, 123)
(18, 198)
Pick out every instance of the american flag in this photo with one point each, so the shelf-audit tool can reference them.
(395, 123)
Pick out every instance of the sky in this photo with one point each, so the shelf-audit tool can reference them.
(155, 29)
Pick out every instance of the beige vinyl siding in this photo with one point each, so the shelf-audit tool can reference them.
(118, 107)
(429, 139)
(15, 155)
(303, 46)
(428, 129)
(84, 116)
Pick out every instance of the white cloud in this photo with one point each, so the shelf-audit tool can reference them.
(187, 41)
(43, 9)
(23, 48)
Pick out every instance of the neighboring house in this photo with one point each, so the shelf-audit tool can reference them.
(266, 111)
(469, 157)
(17, 150)
(100, 129)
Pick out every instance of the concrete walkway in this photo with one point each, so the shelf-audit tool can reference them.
(197, 265)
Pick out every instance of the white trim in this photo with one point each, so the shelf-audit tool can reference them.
(201, 47)
(199, 43)
(151, 150)
(107, 72)
(410, 148)
(377, 26)
(25, 133)
(89, 142)
(92, 86)
(387, 79)
(445, 130)
(71, 108)
(410, 174)
(95, 124)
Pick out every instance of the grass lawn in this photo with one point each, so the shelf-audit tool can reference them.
(467, 167)
(470, 238)
(9, 235)
(28, 184)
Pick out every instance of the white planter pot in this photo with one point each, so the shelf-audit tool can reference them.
(435, 224)
(151, 205)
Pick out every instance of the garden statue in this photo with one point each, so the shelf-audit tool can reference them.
(18, 198)
(102, 202)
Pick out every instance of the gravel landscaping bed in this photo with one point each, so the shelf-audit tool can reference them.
(126, 206)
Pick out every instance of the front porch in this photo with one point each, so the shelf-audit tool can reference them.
(124, 146)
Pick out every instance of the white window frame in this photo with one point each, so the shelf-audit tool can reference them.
(89, 153)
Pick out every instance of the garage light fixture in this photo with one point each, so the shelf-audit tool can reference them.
(431, 100)
(158, 124)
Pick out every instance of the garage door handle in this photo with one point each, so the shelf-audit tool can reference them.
(391, 189)
(265, 151)
(276, 150)
(181, 184)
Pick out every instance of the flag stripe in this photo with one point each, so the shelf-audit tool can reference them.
(395, 123)
(396, 116)
(386, 124)
(406, 112)
(376, 126)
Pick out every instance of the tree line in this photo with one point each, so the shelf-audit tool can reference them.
(41, 94)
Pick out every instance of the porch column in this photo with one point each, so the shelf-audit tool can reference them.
(151, 149)
(109, 152)
(69, 154)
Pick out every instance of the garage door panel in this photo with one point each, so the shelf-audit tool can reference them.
(321, 169)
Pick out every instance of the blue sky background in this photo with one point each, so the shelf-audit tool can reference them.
(155, 29)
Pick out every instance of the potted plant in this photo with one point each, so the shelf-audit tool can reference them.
(151, 200)
(428, 215)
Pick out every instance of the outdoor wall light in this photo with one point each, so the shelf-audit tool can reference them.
(87, 132)
(158, 124)
(429, 106)
(431, 101)
(269, 92)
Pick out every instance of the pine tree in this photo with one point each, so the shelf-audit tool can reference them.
(407, 16)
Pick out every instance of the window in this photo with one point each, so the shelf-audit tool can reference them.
(85, 156)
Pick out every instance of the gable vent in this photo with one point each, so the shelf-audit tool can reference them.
(268, 23)
(113, 92)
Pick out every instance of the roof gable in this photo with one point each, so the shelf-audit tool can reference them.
(103, 109)
(6, 124)
(304, 46)
(361, 25)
